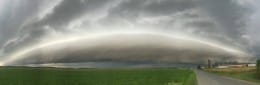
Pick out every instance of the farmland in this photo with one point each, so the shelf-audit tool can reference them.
(68, 76)
(245, 73)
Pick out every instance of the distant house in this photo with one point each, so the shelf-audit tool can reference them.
(221, 67)
(236, 65)
(251, 65)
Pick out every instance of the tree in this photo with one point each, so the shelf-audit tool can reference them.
(258, 68)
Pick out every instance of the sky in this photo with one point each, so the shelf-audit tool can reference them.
(181, 31)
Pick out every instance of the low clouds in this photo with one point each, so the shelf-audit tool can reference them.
(220, 21)
(126, 47)
(68, 10)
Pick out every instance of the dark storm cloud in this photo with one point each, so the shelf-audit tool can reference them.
(253, 29)
(132, 10)
(68, 10)
(224, 20)
(203, 25)
(228, 15)
(221, 20)
(62, 14)
(151, 7)
(65, 12)
(231, 16)
(120, 48)
(13, 15)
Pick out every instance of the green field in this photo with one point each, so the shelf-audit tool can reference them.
(59, 76)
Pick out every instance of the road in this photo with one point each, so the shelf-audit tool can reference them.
(205, 78)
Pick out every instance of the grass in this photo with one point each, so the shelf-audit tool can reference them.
(58, 76)
(248, 74)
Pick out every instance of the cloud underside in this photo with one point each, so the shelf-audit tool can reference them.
(128, 48)
(221, 21)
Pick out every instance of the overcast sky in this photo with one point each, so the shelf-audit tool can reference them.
(232, 23)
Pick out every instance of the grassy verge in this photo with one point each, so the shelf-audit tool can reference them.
(247, 74)
(191, 80)
(55, 76)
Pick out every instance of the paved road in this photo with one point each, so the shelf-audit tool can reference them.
(205, 78)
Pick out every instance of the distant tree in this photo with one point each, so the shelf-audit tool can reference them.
(199, 67)
(258, 68)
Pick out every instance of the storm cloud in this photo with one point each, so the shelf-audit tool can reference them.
(28, 24)
(126, 47)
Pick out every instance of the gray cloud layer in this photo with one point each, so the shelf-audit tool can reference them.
(128, 48)
(222, 21)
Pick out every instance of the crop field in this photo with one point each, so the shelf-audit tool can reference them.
(65, 76)
(248, 74)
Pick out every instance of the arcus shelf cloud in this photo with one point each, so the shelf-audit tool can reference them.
(149, 31)
(136, 46)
